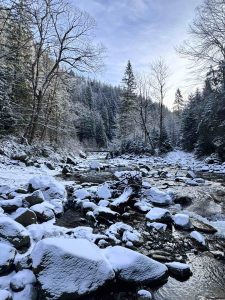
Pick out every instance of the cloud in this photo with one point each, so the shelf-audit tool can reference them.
(142, 30)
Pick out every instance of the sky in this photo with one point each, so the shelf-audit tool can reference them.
(143, 31)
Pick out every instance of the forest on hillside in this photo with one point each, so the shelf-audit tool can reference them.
(46, 49)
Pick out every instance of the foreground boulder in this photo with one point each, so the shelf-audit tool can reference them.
(134, 267)
(7, 255)
(69, 268)
(14, 233)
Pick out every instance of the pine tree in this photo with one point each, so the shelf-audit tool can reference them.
(178, 103)
(128, 99)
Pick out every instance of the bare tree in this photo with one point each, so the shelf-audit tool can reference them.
(62, 36)
(159, 76)
(206, 46)
(143, 105)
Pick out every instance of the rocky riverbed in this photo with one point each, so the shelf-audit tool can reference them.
(124, 228)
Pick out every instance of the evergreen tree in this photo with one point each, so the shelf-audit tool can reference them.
(178, 103)
(128, 101)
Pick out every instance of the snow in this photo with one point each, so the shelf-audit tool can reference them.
(45, 230)
(84, 232)
(132, 266)
(5, 280)
(5, 295)
(179, 269)
(75, 266)
(81, 194)
(157, 213)
(7, 255)
(103, 191)
(50, 188)
(157, 226)
(144, 294)
(21, 279)
(143, 205)
(198, 237)
(182, 220)
(123, 198)
(13, 232)
(44, 211)
(94, 165)
(158, 197)
(104, 203)
(101, 210)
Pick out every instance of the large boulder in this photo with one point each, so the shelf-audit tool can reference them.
(50, 188)
(132, 266)
(7, 255)
(69, 268)
(14, 233)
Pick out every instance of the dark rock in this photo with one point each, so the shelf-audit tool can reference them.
(203, 227)
(36, 197)
(25, 217)
(191, 174)
(179, 270)
(71, 161)
(50, 166)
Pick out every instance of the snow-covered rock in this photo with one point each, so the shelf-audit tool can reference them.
(158, 214)
(84, 232)
(25, 216)
(198, 237)
(123, 198)
(5, 295)
(81, 194)
(143, 205)
(14, 233)
(21, 279)
(103, 191)
(103, 203)
(45, 230)
(44, 211)
(7, 255)
(50, 188)
(179, 269)
(70, 267)
(12, 204)
(182, 221)
(158, 197)
(36, 197)
(104, 213)
(156, 225)
(134, 267)
(94, 165)
(143, 294)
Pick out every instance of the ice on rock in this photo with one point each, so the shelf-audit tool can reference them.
(132, 266)
(7, 255)
(198, 237)
(158, 214)
(50, 188)
(158, 197)
(70, 267)
(14, 233)
(104, 192)
(182, 221)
